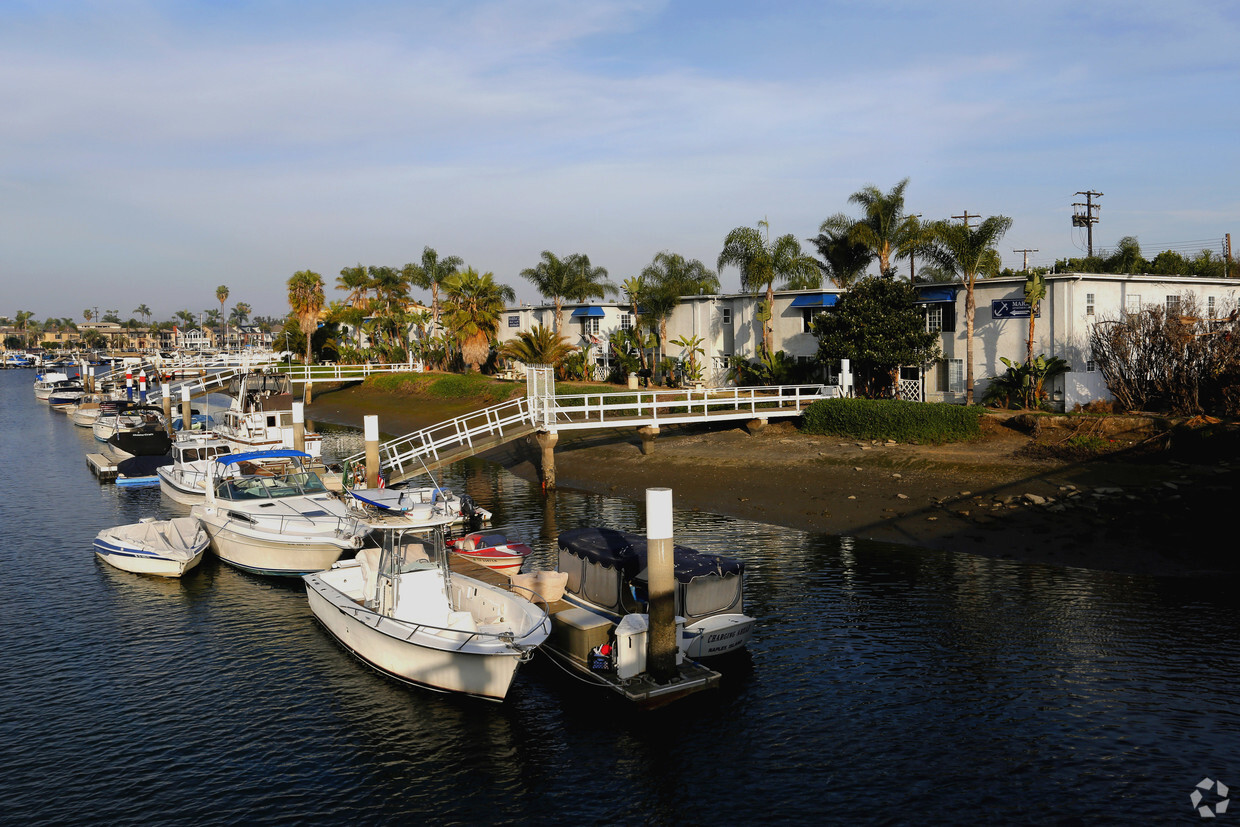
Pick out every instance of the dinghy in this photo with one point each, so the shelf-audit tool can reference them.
(168, 548)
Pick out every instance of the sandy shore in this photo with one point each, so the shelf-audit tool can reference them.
(1152, 516)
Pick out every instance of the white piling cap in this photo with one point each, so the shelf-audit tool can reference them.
(658, 513)
(185, 393)
(370, 428)
(299, 413)
(167, 392)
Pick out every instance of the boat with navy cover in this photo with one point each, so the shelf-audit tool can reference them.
(167, 548)
(607, 575)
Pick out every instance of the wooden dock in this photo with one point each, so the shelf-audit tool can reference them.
(102, 467)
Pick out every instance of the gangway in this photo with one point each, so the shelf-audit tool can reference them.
(542, 412)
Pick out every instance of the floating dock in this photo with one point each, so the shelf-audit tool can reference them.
(102, 467)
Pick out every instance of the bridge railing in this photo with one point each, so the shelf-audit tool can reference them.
(597, 410)
(339, 373)
(406, 453)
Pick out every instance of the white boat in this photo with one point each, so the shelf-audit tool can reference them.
(193, 454)
(399, 608)
(44, 383)
(419, 503)
(607, 576)
(272, 520)
(168, 548)
(260, 417)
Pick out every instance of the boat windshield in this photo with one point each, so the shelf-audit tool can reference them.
(273, 487)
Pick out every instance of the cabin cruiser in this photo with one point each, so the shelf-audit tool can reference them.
(136, 430)
(45, 383)
(399, 608)
(260, 417)
(607, 576)
(193, 454)
(267, 513)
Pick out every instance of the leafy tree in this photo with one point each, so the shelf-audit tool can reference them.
(430, 274)
(305, 298)
(967, 252)
(762, 263)
(540, 346)
(112, 317)
(571, 277)
(878, 326)
(472, 310)
(885, 229)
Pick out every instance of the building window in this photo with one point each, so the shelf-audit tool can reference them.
(1210, 306)
(807, 319)
(934, 318)
(950, 376)
(1173, 306)
(592, 325)
(1089, 304)
(1132, 304)
(514, 321)
(626, 321)
(725, 315)
(1090, 366)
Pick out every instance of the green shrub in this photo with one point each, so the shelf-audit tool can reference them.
(924, 422)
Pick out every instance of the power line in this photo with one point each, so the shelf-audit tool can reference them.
(1088, 218)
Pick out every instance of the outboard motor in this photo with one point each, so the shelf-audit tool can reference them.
(470, 513)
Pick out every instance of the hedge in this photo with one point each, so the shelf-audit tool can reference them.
(923, 422)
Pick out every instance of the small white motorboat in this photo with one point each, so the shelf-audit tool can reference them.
(422, 503)
(168, 548)
(399, 608)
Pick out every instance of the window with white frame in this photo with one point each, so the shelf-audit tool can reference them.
(725, 315)
(1173, 305)
(807, 318)
(592, 325)
(626, 321)
(1210, 306)
(934, 318)
(950, 377)
(1132, 304)
(1089, 304)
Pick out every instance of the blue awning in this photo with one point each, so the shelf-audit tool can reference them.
(937, 294)
(820, 300)
(588, 312)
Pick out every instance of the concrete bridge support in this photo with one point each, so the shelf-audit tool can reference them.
(648, 433)
(755, 425)
(546, 460)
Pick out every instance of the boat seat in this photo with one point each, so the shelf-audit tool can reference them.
(466, 544)
(368, 560)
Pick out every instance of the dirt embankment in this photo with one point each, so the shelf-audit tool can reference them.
(1022, 491)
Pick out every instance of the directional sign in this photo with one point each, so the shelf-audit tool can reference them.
(1011, 309)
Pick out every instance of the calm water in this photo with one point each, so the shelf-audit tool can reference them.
(885, 685)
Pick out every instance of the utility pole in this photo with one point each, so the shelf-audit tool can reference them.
(1026, 252)
(1227, 255)
(966, 217)
(1088, 218)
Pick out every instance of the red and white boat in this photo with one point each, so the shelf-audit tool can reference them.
(495, 551)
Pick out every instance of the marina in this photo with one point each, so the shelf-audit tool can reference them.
(908, 684)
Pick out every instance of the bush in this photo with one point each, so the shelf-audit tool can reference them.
(924, 422)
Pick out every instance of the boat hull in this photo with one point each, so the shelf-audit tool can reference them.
(274, 555)
(165, 549)
(138, 563)
(718, 635)
(179, 489)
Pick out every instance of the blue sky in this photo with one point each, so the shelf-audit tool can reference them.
(150, 151)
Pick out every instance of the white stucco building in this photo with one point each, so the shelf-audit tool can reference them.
(1074, 302)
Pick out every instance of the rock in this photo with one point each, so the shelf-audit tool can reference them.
(1034, 499)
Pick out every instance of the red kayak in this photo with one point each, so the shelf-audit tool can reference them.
(492, 550)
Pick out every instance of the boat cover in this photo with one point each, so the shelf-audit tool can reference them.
(141, 466)
(259, 456)
(626, 553)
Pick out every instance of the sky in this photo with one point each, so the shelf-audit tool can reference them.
(151, 151)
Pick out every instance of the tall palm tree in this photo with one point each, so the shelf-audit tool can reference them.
(430, 274)
(763, 262)
(472, 309)
(967, 251)
(356, 281)
(88, 314)
(885, 229)
(1035, 291)
(221, 294)
(571, 277)
(305, 298)
(143, 311)
(391, 292)
(668, 277)
(843, 259)
(635, 289)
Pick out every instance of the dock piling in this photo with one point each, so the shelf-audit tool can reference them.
(370, 429)
(661, 643)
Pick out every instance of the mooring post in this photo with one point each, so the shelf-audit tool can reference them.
(546, 460)
(661, 585)
(370, 429)
(187, 413)
(168, 409)
(648, 433)
(90, 383)
(307, 395)
(299, 426)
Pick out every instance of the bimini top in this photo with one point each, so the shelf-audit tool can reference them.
(626, 553)
(259, 456)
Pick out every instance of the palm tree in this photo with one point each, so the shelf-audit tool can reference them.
(186, 318)
(540, 346)
(966, 251)
(472, 310)
(305, 297)
(430, 274)
(762, 262)
(221, 293)
(357, 282)
(635, 289)
(571, 277)
(668, 277)
(88, 314)
(1035, 291)
(885, 229)
(143, 311)
(843, 259)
